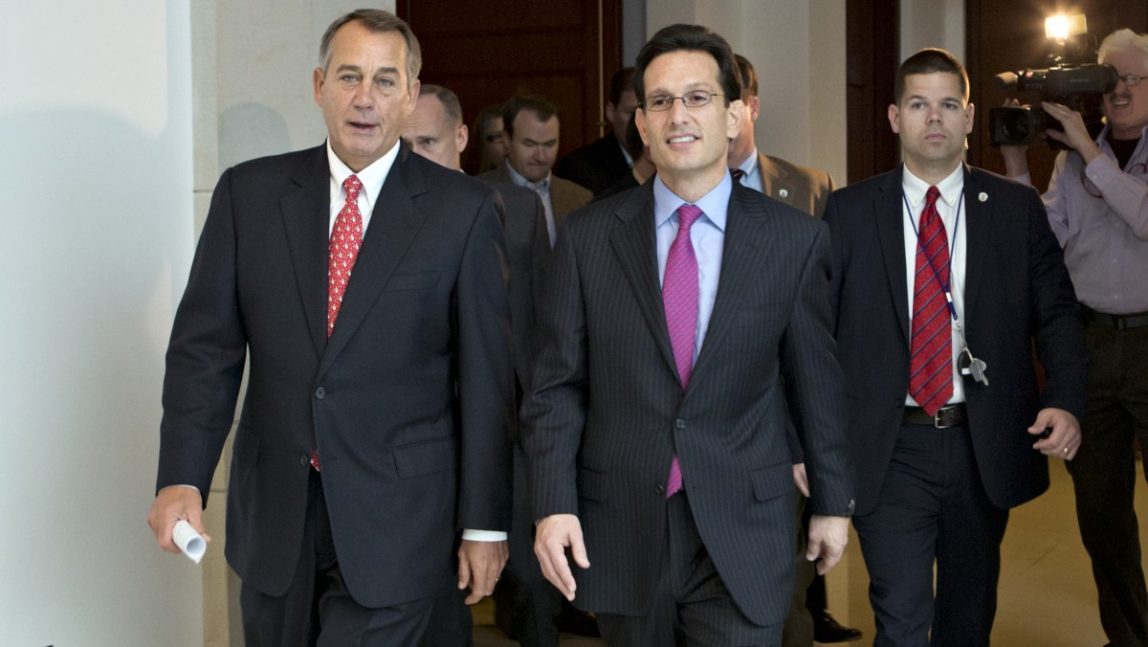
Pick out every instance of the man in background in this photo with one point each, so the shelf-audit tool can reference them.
(532, 126)
(600, 164)
(1097, 202)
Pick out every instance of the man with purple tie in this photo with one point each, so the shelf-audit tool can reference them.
(684, 325)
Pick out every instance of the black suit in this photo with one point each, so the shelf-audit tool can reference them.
(607, 411)
(409, 402)
(597, 166)
(1016, 290)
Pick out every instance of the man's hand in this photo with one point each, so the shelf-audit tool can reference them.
(1075, 135)
(828, 537)
(173, 503)
(801, 479)
(1064, 439)
(479, 565)
(553, 536)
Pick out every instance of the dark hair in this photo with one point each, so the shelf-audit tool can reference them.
(619, 83)
(377, 21)
(927, 61)
(542, 108)
(748, 76)
(689, 38)
(448, 99)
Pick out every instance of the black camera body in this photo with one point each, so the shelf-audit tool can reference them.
(1080, 87)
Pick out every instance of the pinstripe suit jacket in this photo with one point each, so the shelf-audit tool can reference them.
(607, 412)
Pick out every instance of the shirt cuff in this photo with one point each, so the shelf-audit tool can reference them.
(470, 534)
(190, 487)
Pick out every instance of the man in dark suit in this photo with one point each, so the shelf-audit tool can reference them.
(806, 189)
(656, 426)
(934, 332)
(604, 162)
(532, 126)
(366, 286)
(435, 130)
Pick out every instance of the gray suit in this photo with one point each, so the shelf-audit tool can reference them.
(607, 412)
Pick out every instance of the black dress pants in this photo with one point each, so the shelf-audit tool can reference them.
(1104, 476)
(317, 608)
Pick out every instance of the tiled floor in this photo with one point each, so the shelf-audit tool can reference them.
(1047, 598)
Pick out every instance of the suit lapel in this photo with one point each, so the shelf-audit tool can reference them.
(888, 214)
(978, 232)
(395, 221)
(747, 240)
(306, 220)
(634, 242)
(774, 181)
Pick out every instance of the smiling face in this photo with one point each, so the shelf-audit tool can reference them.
(1127, 108)
(932, 121)
(688, 145)
(364, 93)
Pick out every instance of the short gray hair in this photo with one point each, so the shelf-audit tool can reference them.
(377, 21)
(1122, 39)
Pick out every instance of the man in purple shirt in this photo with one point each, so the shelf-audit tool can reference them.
(1097, 202)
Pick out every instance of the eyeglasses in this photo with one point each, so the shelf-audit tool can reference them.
(695, 99)
(1131, 80)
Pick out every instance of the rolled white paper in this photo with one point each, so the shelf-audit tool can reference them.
(189, 541)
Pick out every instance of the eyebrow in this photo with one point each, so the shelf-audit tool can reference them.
(347, 67)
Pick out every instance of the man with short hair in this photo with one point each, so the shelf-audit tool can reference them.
(806, 189)
(366, 286)
(944, 279)
(656, 426)
(1097, 202)
(435, 130)
(604, 162)
(532, 126)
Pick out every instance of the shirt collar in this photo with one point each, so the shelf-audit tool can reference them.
(749, 166)
(372, 176)
(520, 180)
(915, 188)
(714, 204)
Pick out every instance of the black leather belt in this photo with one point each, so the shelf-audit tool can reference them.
(947, 416)
(1117, 322)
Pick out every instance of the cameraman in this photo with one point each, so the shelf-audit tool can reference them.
(1097, 202)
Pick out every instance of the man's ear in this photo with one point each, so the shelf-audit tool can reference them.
(894, 118)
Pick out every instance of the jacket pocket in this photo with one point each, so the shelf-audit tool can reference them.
(427, 458)
(772, 482)
(592, 485)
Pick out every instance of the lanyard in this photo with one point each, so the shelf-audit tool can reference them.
(945, 285)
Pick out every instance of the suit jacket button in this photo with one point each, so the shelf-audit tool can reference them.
(304, 460)
(679, 424)
(660, 489)
(320, 393)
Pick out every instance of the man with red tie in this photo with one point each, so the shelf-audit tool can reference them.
(944, 276)
(365, 286)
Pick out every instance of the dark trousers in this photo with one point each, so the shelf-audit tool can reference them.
(691, 606)
(933, 510)
(1104, 475)
(798, 628)
(317, 608)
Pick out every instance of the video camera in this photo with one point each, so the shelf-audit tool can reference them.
(1080, 87)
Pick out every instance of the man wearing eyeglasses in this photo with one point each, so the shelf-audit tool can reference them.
(656, 427)
(1097, 202)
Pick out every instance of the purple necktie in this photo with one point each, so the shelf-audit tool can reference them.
(680, 298)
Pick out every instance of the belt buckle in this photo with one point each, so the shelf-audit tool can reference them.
(937, 424)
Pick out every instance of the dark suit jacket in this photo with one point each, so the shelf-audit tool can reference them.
(596, 166)
(565, 196)
(607, 412)
(801, 187)
(1017, 290)
(408, 402)
(528, 247)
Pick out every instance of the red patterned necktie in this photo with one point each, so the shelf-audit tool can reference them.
(680, 298)
(346, 239)
(931, 351)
